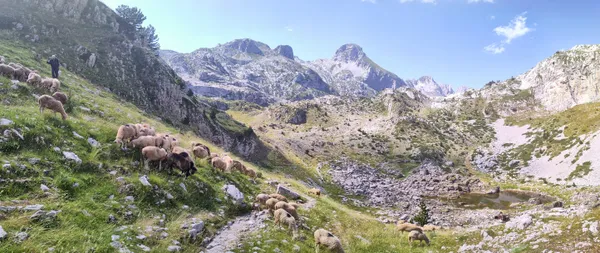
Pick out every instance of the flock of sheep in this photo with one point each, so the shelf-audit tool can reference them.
(285, 213)
(23, 74)
(163, 147)
(415, 232)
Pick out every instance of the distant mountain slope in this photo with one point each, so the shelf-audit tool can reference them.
(430, 87)
(247, 70)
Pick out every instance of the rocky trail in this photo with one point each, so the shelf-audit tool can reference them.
(234, 233)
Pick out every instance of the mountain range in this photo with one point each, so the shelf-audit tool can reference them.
(249, 70)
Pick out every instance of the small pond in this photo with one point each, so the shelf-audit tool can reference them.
(502, 200)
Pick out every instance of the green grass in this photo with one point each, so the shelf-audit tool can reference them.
(580, 171)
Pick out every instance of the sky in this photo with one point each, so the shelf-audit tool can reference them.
(458, 42)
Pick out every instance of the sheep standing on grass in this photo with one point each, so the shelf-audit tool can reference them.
(315, 191)
(228, 161)
(288, 208)
(7, 71)
(142, 142)
(22, 73)
(125, 134)
(152, 153)
(200, 150)
(282, 217)
(278, 197)
(49, 102)
(431, 228)
(407, 227)
(218, 163)
(34, 79)
(51, 84)
(62, 97)
(417, 236)
(261, 199)
(327, 239)
(270, 203)
(237, 165)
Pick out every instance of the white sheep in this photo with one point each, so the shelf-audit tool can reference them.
(270, 203)
(200, 150)
(288, 208)
(51, 84)
(142, 142)
(217, 162)
(315, 191)
(283, 217)
(34, 79)
(7, 71)
(125, 134)
(417, 236)
(49, 102)
(278, 197)
(407, 227)
(327, 239)
(152, 153)
(261, 199)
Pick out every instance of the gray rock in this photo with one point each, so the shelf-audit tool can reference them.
(72, 156)
(85, 109)
(287, 192)
(144, 248)
(141, 237)
(77, 135)
(21, 236)
(129, 199)
(199, 226)
(520, 222)
(514, 163)
(112, 219)
(144, 180)
(5, 122)
(182, 185)
(44, 188)
(33, 207)
(94, 143)
(33, 161)
(56, 149)
(296, 248)
(276, 250)
(234, 193)
(51, 249)
(115, 237)
(3, 233)
(174, 248)
(6, 166)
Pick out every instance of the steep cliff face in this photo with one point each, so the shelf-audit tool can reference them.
(91, 40)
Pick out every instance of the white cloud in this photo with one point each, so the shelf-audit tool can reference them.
(369, 1)
(515, 29)
(289, 29)
(422, 1)
(492, 17)
(480, 1)
(495, 48)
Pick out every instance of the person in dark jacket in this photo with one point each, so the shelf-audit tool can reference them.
(54, 63)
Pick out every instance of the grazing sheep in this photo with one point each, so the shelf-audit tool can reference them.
(62, 97)
(200, 150)
(183, 162)
(142, 142)
(250, 173)
(261, 199)
(218, 163)
(431, 228)
(49, 102)
(152, 153)
(7, 71)
(227, 161)
(51, 84)
(270, 203)
(315, 191)
(239, 167)
(327, 239)
(283, 217)
(417, 236)
(14, 65)
(278, 197)
(34, 79)
(165, 141)
(407, 227)
(22, 73)
(213, 155)
(125, 133)
(288, 208)
(147, 132)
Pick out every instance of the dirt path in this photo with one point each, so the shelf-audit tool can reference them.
(229, 237)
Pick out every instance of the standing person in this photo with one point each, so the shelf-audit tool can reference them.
(54, 63)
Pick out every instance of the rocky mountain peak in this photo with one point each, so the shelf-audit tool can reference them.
(246, 46)
(428, 86)
(349, 52)
(285, 51)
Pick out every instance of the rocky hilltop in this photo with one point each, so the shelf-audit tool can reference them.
(249, 70)
(94, 42)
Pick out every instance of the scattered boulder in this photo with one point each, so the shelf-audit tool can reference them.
(287, 192)
(144, 248)
(3, 233)
(5, 122)
(520, 222)
(94, 143)
(21, 236)
(44, 188)
(174, 248)
(144, 180)
(234, 193)
(72, 156)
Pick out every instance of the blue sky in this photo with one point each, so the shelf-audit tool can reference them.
(460, 42)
